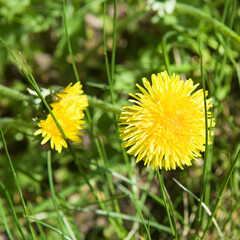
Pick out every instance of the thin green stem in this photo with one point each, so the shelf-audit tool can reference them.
(209, 166)
(164, 50)
(109, 76)
(233, 13)
(41, 234)
(112, 79)
(50, 227)
(219, 26)
(4, 220)
(205, 169)
(17, 184)
(156, 225)
(69, 42)
(69, 227)
(141, 216)
(77, 78)
(102, 204)
(120, 232)
(171, 210)
(124, 179)
(167, 207)
(114, 41)
(109, 178)
(203, 205)
(229, 174)
(31, 79)
(225, 10)
(13, 210)
(54, 199)
(230, 215)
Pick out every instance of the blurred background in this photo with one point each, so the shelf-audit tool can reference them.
(145, 31)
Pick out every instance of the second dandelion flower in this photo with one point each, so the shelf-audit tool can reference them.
(68, 110)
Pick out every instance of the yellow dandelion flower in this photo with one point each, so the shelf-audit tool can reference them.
(71, 125)
(71, 96)
(69, 114)
(166, 127)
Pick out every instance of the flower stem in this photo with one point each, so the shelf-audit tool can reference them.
(168, 206)
(54, 198)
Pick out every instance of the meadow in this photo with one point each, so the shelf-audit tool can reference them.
(119, 119)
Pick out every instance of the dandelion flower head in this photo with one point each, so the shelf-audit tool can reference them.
(72, 95)
(166, 126)
(68, 112)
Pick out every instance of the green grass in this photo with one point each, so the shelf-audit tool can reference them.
(95, 190)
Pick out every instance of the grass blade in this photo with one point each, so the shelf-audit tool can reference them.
(206, 164)
(109, 76)
(168, 206)
(69, 42)
(50, 227)
(54, 199)
(158, 226)
(229, 174)
(192, 11)
(203, 205)
(4, 219)
(17, 184)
